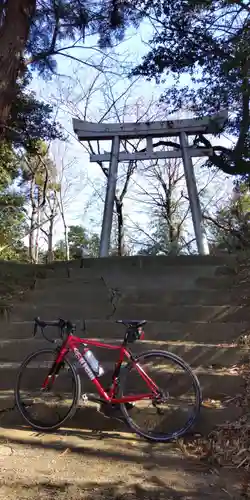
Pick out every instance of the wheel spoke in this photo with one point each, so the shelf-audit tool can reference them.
(46, 409)
(174, 410)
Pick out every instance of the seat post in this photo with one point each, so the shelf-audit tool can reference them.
(125, 339)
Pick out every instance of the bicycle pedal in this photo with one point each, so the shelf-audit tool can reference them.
(85, 398)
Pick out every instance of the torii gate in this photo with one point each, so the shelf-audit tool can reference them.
(88, 131)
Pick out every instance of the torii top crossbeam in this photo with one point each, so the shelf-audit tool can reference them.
(87, 131)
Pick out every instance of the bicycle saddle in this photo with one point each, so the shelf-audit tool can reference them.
(132, 322)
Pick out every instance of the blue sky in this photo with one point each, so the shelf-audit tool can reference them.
(85, 195)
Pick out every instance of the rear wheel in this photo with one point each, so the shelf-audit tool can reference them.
(173, 411)
(46, 410)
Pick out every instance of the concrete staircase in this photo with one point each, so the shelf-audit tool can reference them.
(190, 303)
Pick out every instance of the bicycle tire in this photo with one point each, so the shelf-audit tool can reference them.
(76, 390)
(198, 397)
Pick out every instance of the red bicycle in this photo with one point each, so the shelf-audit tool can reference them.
(143, 387)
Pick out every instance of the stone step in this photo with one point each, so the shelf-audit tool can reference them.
(123, 280)
(146, 262)
(130, 269)
(211, 297)
(126, 262)
(68, 310)
(88, 297)
(141, 262)
(197, 264)
(216, 384)
(221, 282)
(197, 331)
(150, 312)
(88, 417)
(58, 281)
(196, 355)
(149, 281)
(184, 313)
(87, 293)
(186, 275)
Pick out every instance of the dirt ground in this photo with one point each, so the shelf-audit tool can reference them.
(101, 462)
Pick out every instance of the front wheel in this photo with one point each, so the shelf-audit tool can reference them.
(47, 410)
(168, 414)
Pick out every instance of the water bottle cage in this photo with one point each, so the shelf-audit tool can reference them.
(134, 334)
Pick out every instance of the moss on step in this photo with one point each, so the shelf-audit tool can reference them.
(15, 280)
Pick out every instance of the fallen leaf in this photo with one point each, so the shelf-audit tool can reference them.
(64, 452)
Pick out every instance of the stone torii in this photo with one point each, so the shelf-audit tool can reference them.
(88, 131)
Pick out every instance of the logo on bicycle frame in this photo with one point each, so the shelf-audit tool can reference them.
(83, 363)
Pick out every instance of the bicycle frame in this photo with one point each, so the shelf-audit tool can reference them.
(72, 343)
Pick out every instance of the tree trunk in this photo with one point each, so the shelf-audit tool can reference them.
(38, 225)
(53, 211)
(53, 204)
(66, 239)
(35, 222)
(61, 209)
(50, 239)
(32, 235)
(14, 33)
(174, 241)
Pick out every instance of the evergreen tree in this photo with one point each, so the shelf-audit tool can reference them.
(33, 32)
(78, 236)
(208, 41)
(230, 227)
(165, 237)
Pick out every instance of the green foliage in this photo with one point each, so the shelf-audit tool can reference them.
(164, 238)
(77, 236)
(38, 167)
(31, 120)
(59, 251)
(9, 165)
(12, 226)
(30, 123)
(209, 41)
(93, 245)
(230, 228)
(58, 23)
(34, 174)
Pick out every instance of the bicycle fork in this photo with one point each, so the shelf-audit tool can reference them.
(54, 371)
